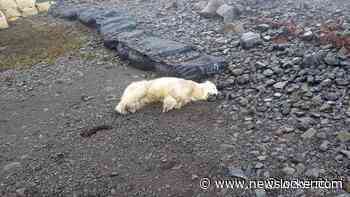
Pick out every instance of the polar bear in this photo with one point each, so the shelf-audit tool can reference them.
(173, 92)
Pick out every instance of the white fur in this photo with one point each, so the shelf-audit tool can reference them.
(172, 92)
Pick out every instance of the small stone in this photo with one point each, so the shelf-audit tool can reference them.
(21, 192)
(313, 59)
(331, 96)
(324, 145)
(114, 173)
(200, 5)
(339, 157)
(194, 177)
(288, 170)
(314, 172)
(12, 165)
(268, 72)
(300, 168)
(267, 38)
(236, 172)
(309, 133)
(227, 146)
(259, 165)
(113, 191)
(346, 153)
(244, 79)
(305, 123)
(280, 85)
(243, 101)
(262, 158)
(236, 27)
(327, 108)
(343, 136)
(260, 64)
(237, 72)
(249, 40)
(260, 193)
(308, 36)
(332, 59)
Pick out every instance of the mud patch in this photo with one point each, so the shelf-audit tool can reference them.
(92, 131)
(36, 39)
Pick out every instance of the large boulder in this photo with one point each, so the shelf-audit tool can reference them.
(29, 11)
(6, 4)
(211, 8)
(228, 13)
(3, 21)
(43, 6)
(10, 9)
(23, 4)
(144, 50)
(199, 68)
(12, 14)
(67, 13)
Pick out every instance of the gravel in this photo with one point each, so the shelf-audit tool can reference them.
(283, 110)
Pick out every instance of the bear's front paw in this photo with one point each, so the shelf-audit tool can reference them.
(120, 110)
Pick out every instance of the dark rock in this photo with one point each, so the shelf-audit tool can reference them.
(331, 96)
(199, 68)
(68, 13)
(116, 27)
(89, 16)
(263, 27)
(118, 18)
(285, 109)
(159, 47)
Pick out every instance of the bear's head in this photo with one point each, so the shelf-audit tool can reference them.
(210, 88)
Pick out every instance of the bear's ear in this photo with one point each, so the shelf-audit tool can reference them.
(209, 82)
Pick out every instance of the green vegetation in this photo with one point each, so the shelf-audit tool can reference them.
(30, 41)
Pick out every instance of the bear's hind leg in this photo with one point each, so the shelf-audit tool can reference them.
(169, 103)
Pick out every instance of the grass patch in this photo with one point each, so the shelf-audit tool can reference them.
(32, 40)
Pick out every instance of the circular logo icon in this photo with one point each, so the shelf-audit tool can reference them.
(204, 183)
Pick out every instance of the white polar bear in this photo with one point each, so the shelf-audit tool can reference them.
(172, 92)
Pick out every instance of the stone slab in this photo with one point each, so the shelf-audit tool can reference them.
(117, 27)
(144, 50)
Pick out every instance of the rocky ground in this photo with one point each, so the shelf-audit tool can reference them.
(283, 109)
